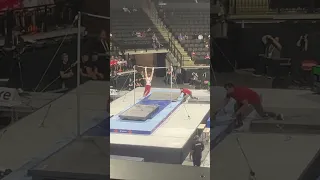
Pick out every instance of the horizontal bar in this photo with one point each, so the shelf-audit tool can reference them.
(195, 67)
(97, 16)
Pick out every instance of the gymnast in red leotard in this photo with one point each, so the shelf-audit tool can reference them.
(148, 78)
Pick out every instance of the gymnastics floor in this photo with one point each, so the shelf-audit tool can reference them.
(169, 141)
(165, 108)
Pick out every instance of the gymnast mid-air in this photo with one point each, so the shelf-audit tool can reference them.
(148, 77)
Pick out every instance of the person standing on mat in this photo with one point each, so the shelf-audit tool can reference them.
(187, 94)
(196, 151)
(245, 97)
(148, 78)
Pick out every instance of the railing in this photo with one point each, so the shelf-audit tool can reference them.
(247, 6)
(174, 50)
(172, 46)
(266, 6)
(37, 19)
(115, 48)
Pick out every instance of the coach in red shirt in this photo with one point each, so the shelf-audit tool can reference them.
(245, 97)
(186, 94)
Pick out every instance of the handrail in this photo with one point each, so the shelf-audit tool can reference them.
(174, 50)
(258, 7)
(172, 46)
(27, 8)
(45, 11)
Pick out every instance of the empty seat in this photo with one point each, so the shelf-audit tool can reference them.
(123, 26)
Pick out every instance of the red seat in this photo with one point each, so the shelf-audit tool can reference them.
(307, 65)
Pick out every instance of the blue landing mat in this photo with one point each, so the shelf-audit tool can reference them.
(165, 109)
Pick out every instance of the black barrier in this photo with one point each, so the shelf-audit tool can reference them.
(34, 64)
(202, 61)
(283, 4)
(35, 61)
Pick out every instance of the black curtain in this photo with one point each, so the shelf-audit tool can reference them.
(99, 7)
(248, 43)
(223, 56)
(161, 62)
(274, 4)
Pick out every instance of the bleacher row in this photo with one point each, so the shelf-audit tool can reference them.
(190, 22)
(249, 6)
(195, 46)
(124, 27)
(185, 21)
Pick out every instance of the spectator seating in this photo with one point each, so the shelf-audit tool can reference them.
(186, 1)
(123, 28)
(248, 6)
(190, 22)
(197, 46)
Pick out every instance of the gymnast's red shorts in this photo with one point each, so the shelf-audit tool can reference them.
(147, 90)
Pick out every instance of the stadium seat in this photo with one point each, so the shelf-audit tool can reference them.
(190, 22)
(123, 28)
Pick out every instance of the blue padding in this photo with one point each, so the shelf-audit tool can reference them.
(166, 107)
(208, 123)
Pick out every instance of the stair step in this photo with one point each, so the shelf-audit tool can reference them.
(166, 35)
(188, 63)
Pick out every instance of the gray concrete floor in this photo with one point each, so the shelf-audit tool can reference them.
(89, 155)
(25, 143)
(271, 156)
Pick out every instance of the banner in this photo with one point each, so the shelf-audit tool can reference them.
(9, 97)
(9, 4)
